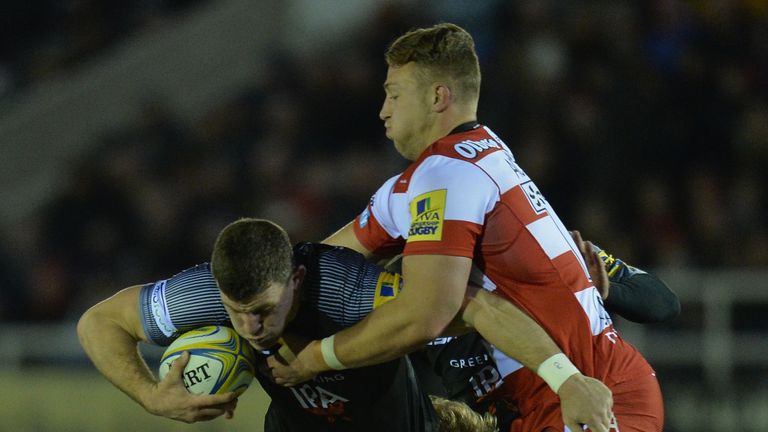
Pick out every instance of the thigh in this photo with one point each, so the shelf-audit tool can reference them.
(638, 405)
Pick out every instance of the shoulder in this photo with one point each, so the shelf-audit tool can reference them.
(470, 146)
(322, 259)
(461, 154)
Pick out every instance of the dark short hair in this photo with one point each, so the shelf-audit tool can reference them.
(443, 51)
(248, 256)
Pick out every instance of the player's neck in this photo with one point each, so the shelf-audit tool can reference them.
(445, 123)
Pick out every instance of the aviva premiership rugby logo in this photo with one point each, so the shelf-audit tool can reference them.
(427, 213)
(387, 288)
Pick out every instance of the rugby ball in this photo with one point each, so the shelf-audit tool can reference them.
(220, 360)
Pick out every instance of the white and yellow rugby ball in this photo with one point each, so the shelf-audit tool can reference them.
(220, 360)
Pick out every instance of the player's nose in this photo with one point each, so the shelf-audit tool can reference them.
(252, 324)
(384, 112)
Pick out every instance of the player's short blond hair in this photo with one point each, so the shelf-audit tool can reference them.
(442, 52)
(459, 417)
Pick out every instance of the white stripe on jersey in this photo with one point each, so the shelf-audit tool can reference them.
(160, 311)
(589, 299)
(497, 166)
(462, 179)
(546, 233)
(379, 207)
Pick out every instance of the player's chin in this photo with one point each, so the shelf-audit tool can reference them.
(263, 343)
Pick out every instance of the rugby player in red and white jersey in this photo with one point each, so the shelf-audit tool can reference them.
(465, 210)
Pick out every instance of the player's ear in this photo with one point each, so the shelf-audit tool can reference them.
(441, 97)
(298, 275)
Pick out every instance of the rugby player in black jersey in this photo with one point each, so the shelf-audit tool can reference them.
(333, 288)
(311, 291)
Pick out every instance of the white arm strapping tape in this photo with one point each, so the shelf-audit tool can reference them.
(555, 370)
(329, 355)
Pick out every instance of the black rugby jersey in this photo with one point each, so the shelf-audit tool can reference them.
(339, 289)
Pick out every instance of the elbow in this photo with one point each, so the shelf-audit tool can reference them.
(668, 304)
(663, 310)
(90, 322)
(84, 324)
(672, 309)
(432, 332)
(423, 331)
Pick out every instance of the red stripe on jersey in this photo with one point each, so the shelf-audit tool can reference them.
(521, 205)
(375, 238)
(458, 239)
(509, 253)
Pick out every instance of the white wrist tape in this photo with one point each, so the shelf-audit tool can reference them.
(326, 347)
(555, 370)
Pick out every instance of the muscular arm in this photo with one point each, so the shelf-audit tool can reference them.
(508, 328)
(584, 400)
(346, 237)
(109, 333)
(436, 286)
(434, 294)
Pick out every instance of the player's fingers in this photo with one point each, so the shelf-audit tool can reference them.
(598, 264)
(596, 259)
(599, 424)
(229, 414)
(578, 240)
(279, 380)
(285, 382)
(272, 362)
(574, 427)
(231, 411)
(224, 400)
(285, 354)
(588, 249)
(177, 367)
(206, 414)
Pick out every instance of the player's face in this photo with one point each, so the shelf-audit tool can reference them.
(262, 319)
(406, 110)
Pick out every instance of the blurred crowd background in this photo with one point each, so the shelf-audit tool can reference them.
(645, 124)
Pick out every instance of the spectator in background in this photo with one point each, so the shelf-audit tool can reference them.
(654, 94)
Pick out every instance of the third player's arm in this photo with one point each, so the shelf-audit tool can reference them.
(628, 291)
(643, 298)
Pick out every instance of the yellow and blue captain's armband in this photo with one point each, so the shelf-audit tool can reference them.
(387, 287)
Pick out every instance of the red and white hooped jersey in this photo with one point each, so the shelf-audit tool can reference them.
(466, 196)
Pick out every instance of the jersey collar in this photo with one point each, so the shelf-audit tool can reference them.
(465, 127)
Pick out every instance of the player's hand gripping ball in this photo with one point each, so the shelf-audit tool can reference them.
(220, 360)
